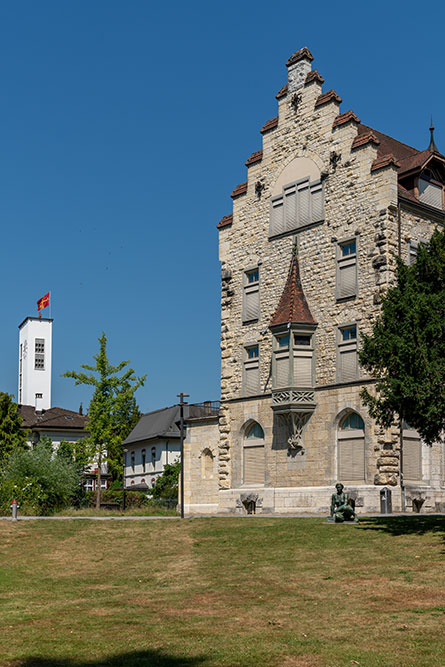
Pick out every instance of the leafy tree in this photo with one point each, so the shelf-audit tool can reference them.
(39, 481)
(166, 486)
(113, 411)
(12, 435)
(406, 350)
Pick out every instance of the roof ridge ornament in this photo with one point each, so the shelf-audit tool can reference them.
(432, 147)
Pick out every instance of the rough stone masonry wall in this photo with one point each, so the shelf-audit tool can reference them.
(358, 204)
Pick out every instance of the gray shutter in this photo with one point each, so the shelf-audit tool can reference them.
(251, 305)
(347, 275)
(252, 376)
(282, 371)
(430, 194)
(351, 460)
(412, 459)
(254, 465)
(304, 204)
(302, 371)
(317, 202)
(290, 207)
(276, 216)
(348, 365)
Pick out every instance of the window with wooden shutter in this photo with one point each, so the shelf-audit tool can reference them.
(412, 456)
(302, 369)
(351, 448)
(253, 465)
(282, 370)
(347, 360)
(300, 204)
(251, 297)
(347, 269)
(251, 371)
(430, 193)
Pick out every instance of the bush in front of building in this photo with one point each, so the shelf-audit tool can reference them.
(166, 486)
(40, 482)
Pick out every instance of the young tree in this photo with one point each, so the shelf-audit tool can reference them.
(113, 411)
(12, 435)
(406, 350)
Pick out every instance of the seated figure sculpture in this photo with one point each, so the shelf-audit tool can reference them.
(342, 507)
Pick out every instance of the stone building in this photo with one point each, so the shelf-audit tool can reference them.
(305, 256)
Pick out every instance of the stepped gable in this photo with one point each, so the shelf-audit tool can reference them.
(345, 117)
(325, 98)
(226, 221)
(255, 157)
(299, 55)
(240, 189)
(292, 307)
(270, 125)
(282, 92)
(313, 76)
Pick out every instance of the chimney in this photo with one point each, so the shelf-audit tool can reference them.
(81, 409)
(38, 404)
(298, 67)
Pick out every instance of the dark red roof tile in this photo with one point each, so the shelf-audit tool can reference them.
(416, 161)
(292, 306)
(240, 189)
(345, 118)
(255, 157)
(313, 76)
(403, 192)
(364, 139)
(270, 125)
(384, 161)
(282, 92)
(330, 96)
(299, 55)
(388, 145)
(226, 221)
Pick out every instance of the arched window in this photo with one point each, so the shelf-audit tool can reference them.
(351, 449)
(132, 456)
(207, 464)
(143, 460)
(253, 454)
(153, 457)
(412, 454)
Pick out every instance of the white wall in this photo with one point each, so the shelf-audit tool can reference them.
(35, 381)
(166, 451)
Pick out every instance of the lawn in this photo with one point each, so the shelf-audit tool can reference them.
(221, 591)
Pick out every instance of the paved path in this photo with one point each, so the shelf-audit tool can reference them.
(219, 516)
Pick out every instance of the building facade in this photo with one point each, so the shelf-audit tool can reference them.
(35, 354)
(306, 255)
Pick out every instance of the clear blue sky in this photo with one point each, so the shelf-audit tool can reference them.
(124, 128)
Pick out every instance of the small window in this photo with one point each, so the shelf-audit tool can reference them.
(39, 359)
(302, 340)
(251, 373)
(430, 193)
(132, 458)
(353, 421)
(254, 431)
(143, 459)
(283, 341)
(39, 395)
(153, 456)
(251, 296)
(347, 269)
(347, 360)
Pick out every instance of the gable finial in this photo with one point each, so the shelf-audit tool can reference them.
(432, 147)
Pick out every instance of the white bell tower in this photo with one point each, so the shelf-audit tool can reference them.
(35, 350)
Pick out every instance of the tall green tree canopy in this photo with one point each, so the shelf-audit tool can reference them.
(113, 411)
(12, 435)
(406, 350)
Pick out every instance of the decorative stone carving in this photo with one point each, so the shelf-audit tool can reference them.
(295, 422)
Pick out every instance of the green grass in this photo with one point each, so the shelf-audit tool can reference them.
(222, 592)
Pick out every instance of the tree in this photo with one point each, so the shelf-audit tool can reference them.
(166, 486)
(406, 350)
(113, 411)
(12, 435)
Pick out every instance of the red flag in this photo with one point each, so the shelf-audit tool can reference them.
(43, 302)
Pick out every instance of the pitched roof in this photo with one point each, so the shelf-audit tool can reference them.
(58, 418)
(164, 423)
(388, 145)
(292, 306)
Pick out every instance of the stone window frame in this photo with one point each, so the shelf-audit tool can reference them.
(412, 436)
(346, 346)
(284, 200)
(289, 352)
(251, 288)
(345, 261)
(250, 364)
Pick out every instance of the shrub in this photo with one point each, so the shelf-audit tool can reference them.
(40, 482)
(166, 486)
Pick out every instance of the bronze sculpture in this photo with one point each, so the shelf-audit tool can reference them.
(342, 506)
